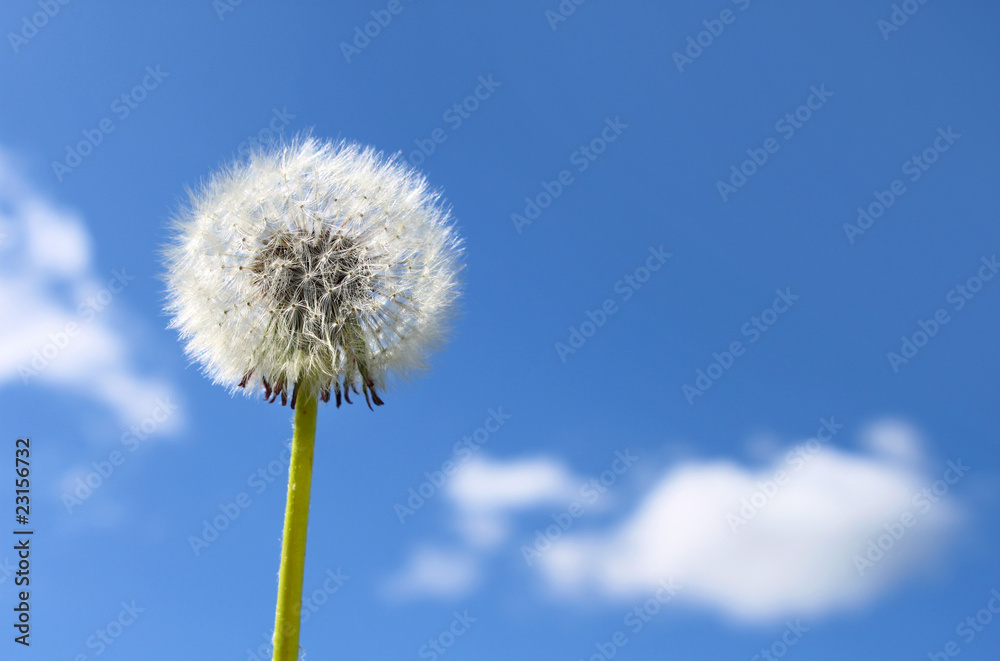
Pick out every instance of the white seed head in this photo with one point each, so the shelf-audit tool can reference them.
(313, 264)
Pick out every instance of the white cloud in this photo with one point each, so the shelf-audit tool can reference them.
(751, 543)
(435, 572)
(488, 492)
(485, 485)
(756, 547)
(57, 242)
(896, 439)
(61, 320)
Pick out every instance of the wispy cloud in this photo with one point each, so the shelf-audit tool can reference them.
(435, 572)
(487, 493)
(62, 325)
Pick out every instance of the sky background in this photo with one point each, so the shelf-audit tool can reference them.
(81, 227)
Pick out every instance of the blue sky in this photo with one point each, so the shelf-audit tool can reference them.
(670, 290)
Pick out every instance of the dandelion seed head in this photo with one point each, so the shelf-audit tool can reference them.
(313, 264)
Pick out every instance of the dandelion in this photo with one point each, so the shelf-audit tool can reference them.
(312, 270)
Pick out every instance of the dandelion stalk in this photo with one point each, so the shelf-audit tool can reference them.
(310, 271)
(293, 545)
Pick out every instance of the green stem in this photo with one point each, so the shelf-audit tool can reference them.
(293, 545)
